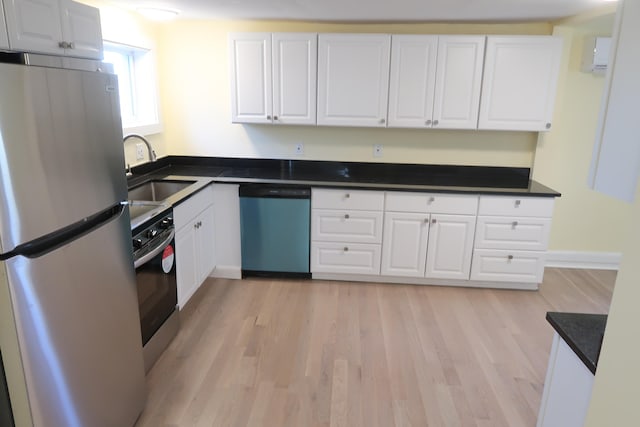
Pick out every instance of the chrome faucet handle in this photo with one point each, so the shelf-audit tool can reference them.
(128, 170)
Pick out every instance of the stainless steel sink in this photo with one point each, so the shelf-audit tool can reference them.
(157, 190)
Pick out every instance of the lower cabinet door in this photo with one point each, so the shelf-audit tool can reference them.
(404, 247)
(205, 242)
(186, 264)
(347, 258)
(507, 266)
(450, 246)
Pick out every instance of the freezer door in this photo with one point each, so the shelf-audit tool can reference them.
(61, 153)
(76, 316)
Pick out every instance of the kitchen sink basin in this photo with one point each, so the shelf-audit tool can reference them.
(157, 190)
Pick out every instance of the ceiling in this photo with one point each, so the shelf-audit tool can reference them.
(373, 10)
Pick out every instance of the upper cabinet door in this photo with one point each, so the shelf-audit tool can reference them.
(458, 82)
(251, 92)
(353, 79)
(412, 80)
(34, 25)
(82, 30)
(520, 79)
(294, 78)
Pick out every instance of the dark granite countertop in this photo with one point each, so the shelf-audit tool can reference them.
(582, 332)
(380, 176)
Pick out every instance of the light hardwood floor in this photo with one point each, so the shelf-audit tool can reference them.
(314, 353)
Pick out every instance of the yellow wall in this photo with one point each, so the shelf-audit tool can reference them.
(196, 105)
(584, 219)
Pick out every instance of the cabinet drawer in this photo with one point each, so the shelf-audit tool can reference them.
(191, 207)
(499, 232)
(350, 258)
(507, 266)
(516, 206)
(346, 226)
(347, 199)
(431, 203)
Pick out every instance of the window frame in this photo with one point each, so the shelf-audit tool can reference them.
(142, 81)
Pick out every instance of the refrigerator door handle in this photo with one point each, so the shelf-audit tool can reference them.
(52, 241)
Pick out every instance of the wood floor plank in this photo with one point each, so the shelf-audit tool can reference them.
(266, 352)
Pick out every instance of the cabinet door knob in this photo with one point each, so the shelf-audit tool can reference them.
(428, 123)
(382, 121)
(514, 224)
(433, 221)
(426, 220)
(346, 196)
(346, 249)
(510, 257)
(62, 45)
(275, 117)
(548, 126)
(346, 216)
(435, 122)
(268, 117)
(71, 45)
(518, 203)
(432, 199)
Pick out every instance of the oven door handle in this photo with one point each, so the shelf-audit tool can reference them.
(159, 248)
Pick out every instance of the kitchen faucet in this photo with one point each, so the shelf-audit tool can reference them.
(152, 154)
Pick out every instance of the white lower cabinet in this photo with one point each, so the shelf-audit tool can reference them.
(346, 231)
(567, 388)
(429, 238)
(195, 247)
(425, 244)
(450, 246)
(511, 239)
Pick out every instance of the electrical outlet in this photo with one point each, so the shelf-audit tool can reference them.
(377, 150)
(299, 149)
(139, 151)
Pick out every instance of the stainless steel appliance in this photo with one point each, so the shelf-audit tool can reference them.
(6, 415)
(154, 259)
(73, 349)
(275, 223)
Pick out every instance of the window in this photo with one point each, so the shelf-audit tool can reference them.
(135, 68)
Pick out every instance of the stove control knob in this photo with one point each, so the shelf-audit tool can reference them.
(137, 243)
(166, 223)
(152, 233)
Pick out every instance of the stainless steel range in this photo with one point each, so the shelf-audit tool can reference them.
(154, 260)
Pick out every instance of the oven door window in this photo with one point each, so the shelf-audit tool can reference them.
(157, 291)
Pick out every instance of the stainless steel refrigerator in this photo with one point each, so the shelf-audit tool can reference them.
(70, 334)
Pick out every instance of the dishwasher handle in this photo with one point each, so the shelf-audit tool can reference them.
(275, 191)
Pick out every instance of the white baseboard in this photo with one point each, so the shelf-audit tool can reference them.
(576, 259)
(227, 272)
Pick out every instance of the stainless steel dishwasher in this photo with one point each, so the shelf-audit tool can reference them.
(275, 222)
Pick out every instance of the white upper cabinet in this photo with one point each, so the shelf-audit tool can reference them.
(353, 79)
(435, 81)
(519, 85)
(295, 67)
(273, 78)
(251, 89)
(4, 39)
(412, 81)
(81, 29)
(458, 82)
(59, 27)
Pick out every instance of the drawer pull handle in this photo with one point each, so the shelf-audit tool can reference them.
(346, 216)
(514, 224)
(517, 203)
(510, 257)
(346, 249)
